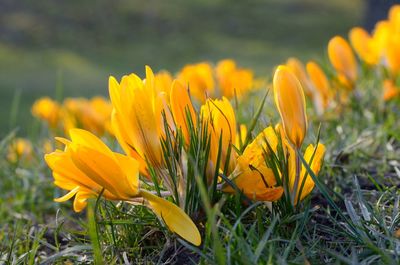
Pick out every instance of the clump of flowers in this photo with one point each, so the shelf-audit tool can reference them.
(90, 114)
(315, 83)
(225, 79)
(87, 167)
(381, 49)
(174, 148)
(269, 168)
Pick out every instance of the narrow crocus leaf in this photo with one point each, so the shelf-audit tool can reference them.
(174, 217)
(291, 104)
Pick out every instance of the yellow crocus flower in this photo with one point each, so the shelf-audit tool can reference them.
(364, 45)
(20, 148)
(181, 105)
(233, 81)
(163, 82)
(291, 104)
(137, 117)
(199, 78)
(315, 165)
(390, 90)
(93, 114)
(394, 18)
(380, 36)
(220, 120)
(320, 84)
(101, 109)
(251, 175)
(393, 54)
(343, 60)
(48, 110)
(257, 181)
(298, 69)
(87, 166)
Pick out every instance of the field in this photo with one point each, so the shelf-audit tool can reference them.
(45, 48)
(296, 164)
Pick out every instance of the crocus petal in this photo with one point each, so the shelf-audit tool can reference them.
(364, 45)
(180, 105)
(128, 149)
(298, 69)
(342, 58)
(199, 78)
(393, 54)
(315, 166)
(102, 169)
(290, 101)
(88, 139)
(220, 120)
(174, 217)
(389, 90)
(65, 171)
(320, 83)
(258, 184)
(80, 200)
(67, 196)
(254, 152)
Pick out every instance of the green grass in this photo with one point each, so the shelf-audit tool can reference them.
(352, 216)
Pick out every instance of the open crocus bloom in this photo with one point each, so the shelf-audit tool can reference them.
(87, 166)
(257, 181)
(251, 175)
(137, 118)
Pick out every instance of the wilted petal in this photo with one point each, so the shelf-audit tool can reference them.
(174, 217)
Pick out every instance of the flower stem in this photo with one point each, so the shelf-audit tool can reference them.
(296, 180)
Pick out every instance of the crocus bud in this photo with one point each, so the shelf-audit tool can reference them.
(291, 104)
(342, 59)
(321, 86)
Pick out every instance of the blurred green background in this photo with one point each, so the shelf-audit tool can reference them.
(75, 45)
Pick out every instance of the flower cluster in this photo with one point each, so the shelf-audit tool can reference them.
(168, 143)
(93, 114)
(381, 48)
(225, 79)
(379, 52)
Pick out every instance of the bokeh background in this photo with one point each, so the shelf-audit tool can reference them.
(69, 48)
